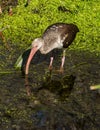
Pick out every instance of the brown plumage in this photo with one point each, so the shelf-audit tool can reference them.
(58, 35)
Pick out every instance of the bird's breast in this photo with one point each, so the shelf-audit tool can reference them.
(49, 46)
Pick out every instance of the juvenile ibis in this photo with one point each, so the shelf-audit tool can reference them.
(58, 35)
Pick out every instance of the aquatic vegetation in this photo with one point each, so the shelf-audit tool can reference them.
(94, 87)
(29, 22)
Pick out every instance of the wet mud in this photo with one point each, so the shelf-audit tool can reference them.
(50, 100)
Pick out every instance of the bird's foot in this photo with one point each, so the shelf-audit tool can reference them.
(61, 70)
(50, 68)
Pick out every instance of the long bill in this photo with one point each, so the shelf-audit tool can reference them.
(32, 53)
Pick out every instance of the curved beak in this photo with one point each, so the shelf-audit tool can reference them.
(32, 53)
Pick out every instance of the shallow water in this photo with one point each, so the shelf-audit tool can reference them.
(51, 101)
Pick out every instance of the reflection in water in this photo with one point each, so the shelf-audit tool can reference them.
(27, 85)
(80, 111)
(58, 84)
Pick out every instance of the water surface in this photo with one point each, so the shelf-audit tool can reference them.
(50, 101)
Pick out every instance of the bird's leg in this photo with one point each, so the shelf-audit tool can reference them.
(63, 61)
(51, 62)
(49, 73)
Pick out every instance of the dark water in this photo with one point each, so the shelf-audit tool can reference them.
(51, 101)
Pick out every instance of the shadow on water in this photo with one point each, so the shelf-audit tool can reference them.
(49, 100)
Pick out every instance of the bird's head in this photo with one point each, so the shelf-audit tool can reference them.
(36, 45)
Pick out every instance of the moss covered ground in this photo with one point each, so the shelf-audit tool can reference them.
(36, 103)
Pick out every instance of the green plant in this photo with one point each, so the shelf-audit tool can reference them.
(29, 22)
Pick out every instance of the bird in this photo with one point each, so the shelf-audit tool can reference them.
(57, 35)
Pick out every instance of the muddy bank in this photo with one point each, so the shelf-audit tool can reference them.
(36, 103)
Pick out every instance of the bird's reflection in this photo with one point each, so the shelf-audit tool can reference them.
(27, 85)
(60, 85)
(38, 58)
